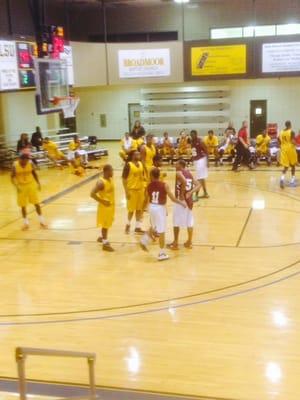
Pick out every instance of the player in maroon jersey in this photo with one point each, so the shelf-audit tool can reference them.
(185, 186)
(200, 159)
(158, 192)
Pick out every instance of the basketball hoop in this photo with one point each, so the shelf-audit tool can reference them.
(67, 104)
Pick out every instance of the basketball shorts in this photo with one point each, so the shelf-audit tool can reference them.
(158, 217)
(288, 157)
(201, 168)
(136, 200)
(182, 217)
(105, 216)
(28, 194)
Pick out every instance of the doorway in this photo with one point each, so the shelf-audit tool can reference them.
(134, 114)
(258, 117)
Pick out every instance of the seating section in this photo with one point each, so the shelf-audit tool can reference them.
(90, 144)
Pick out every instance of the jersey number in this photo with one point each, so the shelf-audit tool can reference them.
(189, 185)
(155, 197)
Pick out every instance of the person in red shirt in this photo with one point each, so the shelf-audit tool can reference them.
(158, 192)
(242, 148)
(185, 186)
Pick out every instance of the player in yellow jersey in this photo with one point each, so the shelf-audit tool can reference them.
(148, 152)
(288, 153)
(262, 146)
(75, 145)
(166, 147)
(53, 152)
(212, 142)
(133, 182)
(26, 180)
(128, 146)
(104, 194)
(184, 145)
(77, 164)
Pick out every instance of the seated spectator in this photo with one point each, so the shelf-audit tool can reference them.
(228, 144)
(211, 142)
(166, 146)
(184, 147)
(78, 164)
(75, 145)
(129, 145)
(230, 129)
(263, 147)
(275, 150)
(37, 139)
(297, 143)
(53, 152)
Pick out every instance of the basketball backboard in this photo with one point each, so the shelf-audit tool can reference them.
(51, 78)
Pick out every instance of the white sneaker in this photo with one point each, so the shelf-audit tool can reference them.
(162, 257)
(144, 242)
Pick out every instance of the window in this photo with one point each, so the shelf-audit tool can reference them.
(248, 31)
(288, 29)
(226, 33)
(251, 31)
(265, 30)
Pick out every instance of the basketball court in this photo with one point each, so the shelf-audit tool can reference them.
(219, 321)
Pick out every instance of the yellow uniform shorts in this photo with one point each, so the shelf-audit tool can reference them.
(28, 194)
(288, 157)
(105, 216)
(136, 200)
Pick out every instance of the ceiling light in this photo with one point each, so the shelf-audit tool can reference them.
(182, 1)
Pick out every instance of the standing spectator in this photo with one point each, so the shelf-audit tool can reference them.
(37, 139)
(242, 148)
(23, 143)
(138, 131)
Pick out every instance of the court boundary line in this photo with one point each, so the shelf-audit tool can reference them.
(228, 287)
(52, 198)
(244, 227)
(208, 245)
(120, 389)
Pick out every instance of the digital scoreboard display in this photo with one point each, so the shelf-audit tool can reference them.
(17, 63)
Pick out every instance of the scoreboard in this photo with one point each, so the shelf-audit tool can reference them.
(17, 61)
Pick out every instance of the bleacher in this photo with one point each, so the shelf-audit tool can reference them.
(90, 144)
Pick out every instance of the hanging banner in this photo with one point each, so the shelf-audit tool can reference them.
(9, 77)
(144, 63)
(281, 57)
(219, 60)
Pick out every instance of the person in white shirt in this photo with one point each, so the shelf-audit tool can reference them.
(128, 145)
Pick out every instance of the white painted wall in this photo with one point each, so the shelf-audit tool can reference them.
(18, 114)
(282, 95)
(17, 110)
(112, 101)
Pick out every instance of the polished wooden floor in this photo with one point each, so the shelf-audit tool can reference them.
(220, 320)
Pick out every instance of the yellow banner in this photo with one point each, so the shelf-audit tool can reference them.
(219, 60)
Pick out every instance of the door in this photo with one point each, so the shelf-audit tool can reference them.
(258, 117)
(134, 114)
